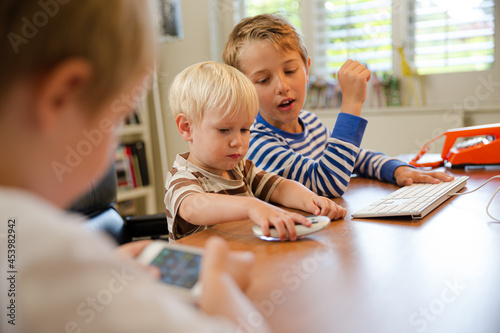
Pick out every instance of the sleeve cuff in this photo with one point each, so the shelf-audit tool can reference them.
(387, 171)
(349, 128)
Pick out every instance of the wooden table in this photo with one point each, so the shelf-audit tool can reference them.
(439, 274)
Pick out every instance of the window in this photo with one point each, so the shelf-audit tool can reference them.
(438, 36)
(287, 8)
(453, 36)
(356, 29)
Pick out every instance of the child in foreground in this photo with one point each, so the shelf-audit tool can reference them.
(214, 106)
(64, 89)
(293, 142)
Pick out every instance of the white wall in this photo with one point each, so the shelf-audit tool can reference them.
(397, 131)
(177, 55)
(206, 25)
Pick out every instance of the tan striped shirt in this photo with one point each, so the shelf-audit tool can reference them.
(187, 178)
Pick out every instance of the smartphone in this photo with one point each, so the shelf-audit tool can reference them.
(179, 266)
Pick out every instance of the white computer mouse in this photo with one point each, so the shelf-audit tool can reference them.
(318, 223)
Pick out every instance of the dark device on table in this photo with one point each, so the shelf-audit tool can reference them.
(474, 145)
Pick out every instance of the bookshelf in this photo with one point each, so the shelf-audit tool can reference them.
(134, 165)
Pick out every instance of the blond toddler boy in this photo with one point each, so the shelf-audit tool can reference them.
(214, 106)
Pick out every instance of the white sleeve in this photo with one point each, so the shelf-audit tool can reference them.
(70, 280)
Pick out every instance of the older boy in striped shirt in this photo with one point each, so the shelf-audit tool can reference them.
(293, 142)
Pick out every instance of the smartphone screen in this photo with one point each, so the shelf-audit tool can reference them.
(177, 267)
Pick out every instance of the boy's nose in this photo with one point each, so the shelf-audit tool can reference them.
(282, 86)
(236, 141)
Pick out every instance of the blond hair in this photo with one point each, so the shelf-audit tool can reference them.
(114, 36)
(266, 27)
(212, 87)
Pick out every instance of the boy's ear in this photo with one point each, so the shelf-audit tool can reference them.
(307, 68)
(59, 90)
(184, 126)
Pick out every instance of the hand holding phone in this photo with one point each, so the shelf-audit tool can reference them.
(225, 275)
(179, 266)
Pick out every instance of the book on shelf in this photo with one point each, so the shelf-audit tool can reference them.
(122, 167)
(133, 118)
(131, 165)
(139, 151)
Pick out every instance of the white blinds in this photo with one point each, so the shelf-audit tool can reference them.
(439, 36)
(356, 29)
(287, 8)
(453, 36)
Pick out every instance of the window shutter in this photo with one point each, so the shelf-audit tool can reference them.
(353, 29)
(439, 36)
(287, 8)
(453, 36)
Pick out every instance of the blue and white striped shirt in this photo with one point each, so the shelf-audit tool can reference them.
(320, 160)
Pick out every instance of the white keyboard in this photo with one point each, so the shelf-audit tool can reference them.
(416, 200)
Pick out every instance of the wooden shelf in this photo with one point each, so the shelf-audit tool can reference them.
(134, 193)
(133, 130)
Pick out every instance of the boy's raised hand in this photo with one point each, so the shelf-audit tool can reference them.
(353, 78)
(266, 215)
(318, 205)
(405, 175)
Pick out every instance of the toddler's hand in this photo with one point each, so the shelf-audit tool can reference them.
(405, 175)
(266, 215)
(353, 77)
(323, 206)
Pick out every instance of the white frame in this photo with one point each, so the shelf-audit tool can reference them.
(169, 20)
